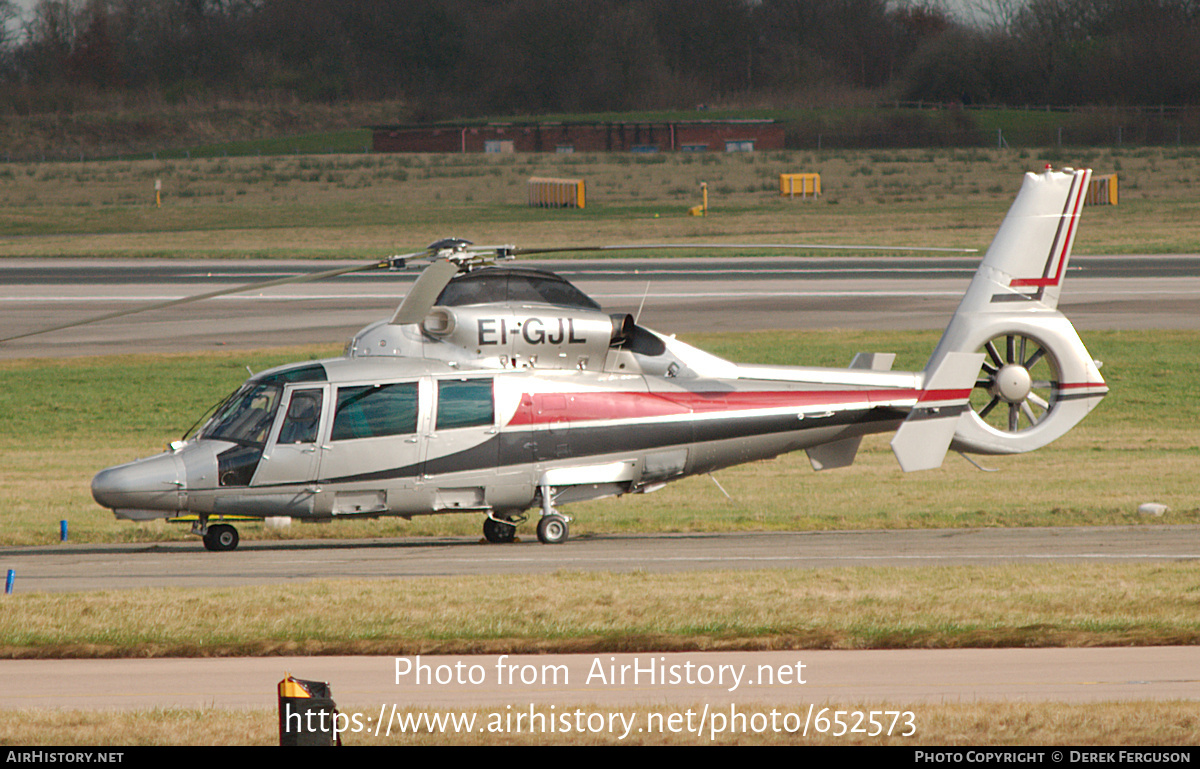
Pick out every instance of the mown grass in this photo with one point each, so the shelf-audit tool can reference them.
(64, 420)
(851, 608)
(369, 205)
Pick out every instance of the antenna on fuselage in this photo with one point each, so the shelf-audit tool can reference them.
(638, 317)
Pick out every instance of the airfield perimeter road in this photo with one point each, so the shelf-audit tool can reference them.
(78, 567)
(680, 295)
(905, 677)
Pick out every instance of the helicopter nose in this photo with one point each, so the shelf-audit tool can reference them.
(153, 483)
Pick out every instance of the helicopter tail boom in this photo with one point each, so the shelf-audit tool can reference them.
(1036, 380)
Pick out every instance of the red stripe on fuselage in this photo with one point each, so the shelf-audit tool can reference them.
(944, 395)
(544, 408)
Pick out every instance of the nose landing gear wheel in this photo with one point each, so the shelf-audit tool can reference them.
(498, 532)
(220, 538)
(552, 529)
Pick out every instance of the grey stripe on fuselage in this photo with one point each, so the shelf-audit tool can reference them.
(579, 441)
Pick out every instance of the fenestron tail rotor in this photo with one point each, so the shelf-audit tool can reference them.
(1018, 384)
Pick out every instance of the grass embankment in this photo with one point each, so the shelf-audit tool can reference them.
(951, 724)
(372, 205)
(858, 608)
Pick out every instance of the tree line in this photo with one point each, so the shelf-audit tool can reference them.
(456, 58)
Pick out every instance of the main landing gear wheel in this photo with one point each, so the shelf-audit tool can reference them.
(498, 532)
(552, 529)
(220, 538)
(1018, 385)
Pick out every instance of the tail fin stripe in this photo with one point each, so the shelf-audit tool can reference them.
(1070, 215)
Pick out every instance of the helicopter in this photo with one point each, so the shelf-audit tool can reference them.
(506, 392)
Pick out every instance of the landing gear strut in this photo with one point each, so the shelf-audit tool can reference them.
(552, 529)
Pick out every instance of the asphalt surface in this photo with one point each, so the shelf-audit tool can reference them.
(669, 295)
(852, 680)
(71, 567)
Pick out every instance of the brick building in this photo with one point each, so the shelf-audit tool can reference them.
(683, 135)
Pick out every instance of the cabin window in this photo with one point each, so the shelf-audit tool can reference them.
(464, 403)
(309, 372)
(303, 417)
(375, 410)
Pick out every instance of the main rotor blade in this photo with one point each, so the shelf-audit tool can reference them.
(222, 292)
(424, 293)
(744, 246)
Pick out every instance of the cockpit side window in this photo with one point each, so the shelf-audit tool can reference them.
(465, 403)
(246, 418)
(372, 411)
(303, 417)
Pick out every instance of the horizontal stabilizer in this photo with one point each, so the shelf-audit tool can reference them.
(873, 361)
(922, 441)
(828, 456)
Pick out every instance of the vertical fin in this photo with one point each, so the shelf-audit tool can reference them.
(1026, 263)
(922, 441)
(1013, 300)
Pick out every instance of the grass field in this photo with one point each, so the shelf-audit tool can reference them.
(944, 724)
(580, 612)
(373, 205)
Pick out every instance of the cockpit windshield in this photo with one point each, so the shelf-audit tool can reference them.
(246, 417)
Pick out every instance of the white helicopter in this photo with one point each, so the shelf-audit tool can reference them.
(504, 390)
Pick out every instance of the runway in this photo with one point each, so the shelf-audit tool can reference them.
(187, 565)
(668, 295)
